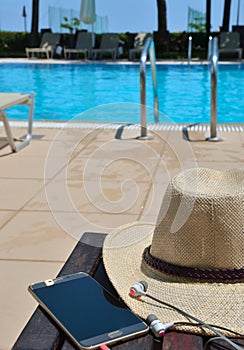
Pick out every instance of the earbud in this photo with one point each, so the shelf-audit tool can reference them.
(138, 289)
(157, 327)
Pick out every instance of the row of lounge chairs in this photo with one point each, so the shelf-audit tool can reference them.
(84, 46)
(229, 42)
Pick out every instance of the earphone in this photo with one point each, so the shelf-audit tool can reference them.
(157, 327)
(140, 289)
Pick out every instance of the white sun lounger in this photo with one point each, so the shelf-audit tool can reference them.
(48, 44)
(8, 100)
(230, 42)
(83, 45)
(139, 42)
(109, 44)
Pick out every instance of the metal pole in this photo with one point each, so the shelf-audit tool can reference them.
(24, 14)
(209, 48)
(154, 79)
(143, 101)
(189, 49)
(238, 13)
(214, 67)
(149, 45)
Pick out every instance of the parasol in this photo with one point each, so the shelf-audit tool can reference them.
(88, 13)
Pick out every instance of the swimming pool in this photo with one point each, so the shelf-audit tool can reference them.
(65, 91)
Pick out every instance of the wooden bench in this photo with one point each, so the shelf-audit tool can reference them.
(41, 333)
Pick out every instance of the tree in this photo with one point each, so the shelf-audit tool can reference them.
(198, 25)
(162, 15)
(226, 16)
(35, 17)
(34, 22)
(208, 16)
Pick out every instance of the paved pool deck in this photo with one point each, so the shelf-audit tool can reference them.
(70, 180)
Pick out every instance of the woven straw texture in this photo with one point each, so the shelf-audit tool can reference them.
(204, 218)
(200, 224)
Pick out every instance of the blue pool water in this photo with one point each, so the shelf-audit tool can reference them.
(65, 91)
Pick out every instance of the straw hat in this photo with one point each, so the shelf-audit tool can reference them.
(192, 258)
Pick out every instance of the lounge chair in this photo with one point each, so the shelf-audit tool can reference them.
(48, 44)
(230, 42)
(109, 44)
(83, 45)
(139, 42)
(8, 100)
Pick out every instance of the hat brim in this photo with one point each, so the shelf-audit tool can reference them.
(218, 304)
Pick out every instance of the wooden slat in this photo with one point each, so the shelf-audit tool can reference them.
(221, 344)
(39, 334)
(143, 343)
(180, 341)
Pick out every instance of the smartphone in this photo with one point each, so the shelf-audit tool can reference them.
(86, 311)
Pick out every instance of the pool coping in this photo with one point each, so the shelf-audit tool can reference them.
(112, 62)
(234, 127)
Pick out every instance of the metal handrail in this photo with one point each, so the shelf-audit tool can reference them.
(148, 48)
(214, 68)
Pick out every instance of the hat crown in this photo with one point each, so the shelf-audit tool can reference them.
(200, 222)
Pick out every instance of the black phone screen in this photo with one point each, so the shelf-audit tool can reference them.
(89, 313)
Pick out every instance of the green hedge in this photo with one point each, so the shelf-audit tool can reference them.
(13, 44)
(175, 45)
